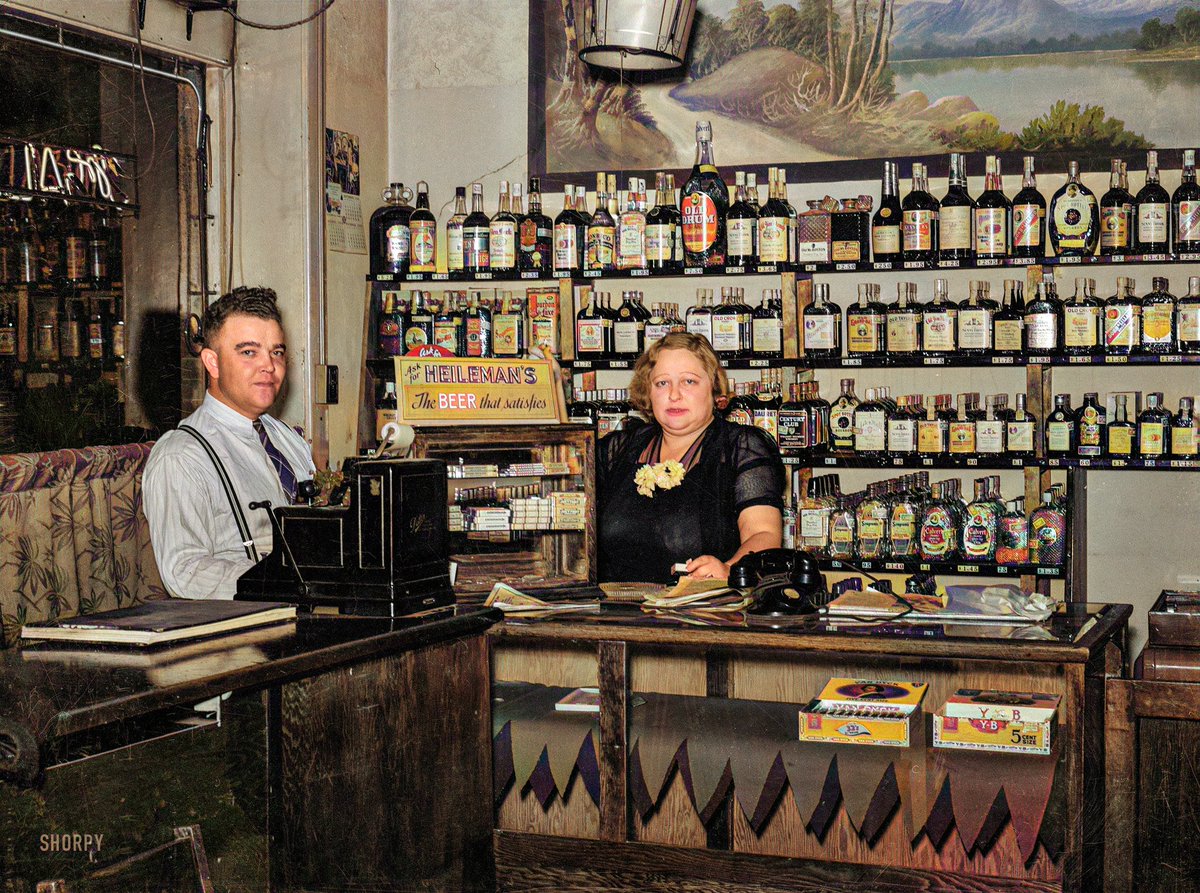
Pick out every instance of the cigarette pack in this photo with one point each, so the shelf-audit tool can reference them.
(855, 726)
(1005, 706)
(992, 734)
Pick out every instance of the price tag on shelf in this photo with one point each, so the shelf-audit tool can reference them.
(734, 271)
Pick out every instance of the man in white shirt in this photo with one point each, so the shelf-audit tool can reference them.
(197, 543)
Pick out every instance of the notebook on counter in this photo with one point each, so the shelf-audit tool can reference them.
(160, 621)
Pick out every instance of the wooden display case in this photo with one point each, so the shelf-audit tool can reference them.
(544, 556)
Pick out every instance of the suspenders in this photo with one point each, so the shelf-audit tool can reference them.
(231, 494)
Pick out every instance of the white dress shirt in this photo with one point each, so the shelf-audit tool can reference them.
(195, 537)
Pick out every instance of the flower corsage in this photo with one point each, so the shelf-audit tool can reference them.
(661, 476)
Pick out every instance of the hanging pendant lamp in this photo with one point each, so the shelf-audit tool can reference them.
(636, 35)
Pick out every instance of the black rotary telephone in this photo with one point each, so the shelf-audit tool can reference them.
(781, 581)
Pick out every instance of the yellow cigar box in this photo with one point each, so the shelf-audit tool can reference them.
(992, 734)
(826, 725)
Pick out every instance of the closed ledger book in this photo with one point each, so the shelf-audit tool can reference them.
(159, 621)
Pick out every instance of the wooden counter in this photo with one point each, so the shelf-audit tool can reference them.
(342, 748)
(958, 820)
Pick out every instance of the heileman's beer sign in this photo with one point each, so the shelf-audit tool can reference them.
(447, 391)
(45, 170)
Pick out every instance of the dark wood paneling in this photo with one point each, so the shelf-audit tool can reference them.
(1168, 816)
(614, 741)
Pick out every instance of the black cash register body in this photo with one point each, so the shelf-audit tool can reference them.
(386, 554)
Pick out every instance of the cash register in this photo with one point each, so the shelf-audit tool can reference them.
(385, 554)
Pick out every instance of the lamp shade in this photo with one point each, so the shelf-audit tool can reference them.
(636, 35)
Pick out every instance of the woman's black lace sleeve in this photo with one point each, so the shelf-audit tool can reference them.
(759, 478)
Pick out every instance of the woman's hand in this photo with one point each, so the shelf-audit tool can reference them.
(560, 398)
(708, 567)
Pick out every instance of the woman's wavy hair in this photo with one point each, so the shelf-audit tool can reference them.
(643, 369)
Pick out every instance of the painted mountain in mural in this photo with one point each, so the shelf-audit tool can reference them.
(963, 22)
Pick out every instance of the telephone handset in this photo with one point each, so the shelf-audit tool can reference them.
(782, 581)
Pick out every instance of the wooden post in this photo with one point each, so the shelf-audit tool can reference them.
(614, 740)
(1120, 785)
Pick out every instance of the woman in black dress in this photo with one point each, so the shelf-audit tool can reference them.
(689, 486)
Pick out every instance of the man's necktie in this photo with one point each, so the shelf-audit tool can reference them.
(287, 477)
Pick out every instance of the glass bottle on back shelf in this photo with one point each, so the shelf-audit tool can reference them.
(993, 213)
(1043, 322)
(455, 242)
(1048, 532)
(870, 426)
(423, 233)
(1158, 319)
(705, 203)
(536, 240)
(1154, 425)
(1008, 325)
(1152, 211)
(1116, 214)
(1091, 428)
(590, 342)
(1122, 320)
(767, 325)
(939, 323)
(822, 327)
(956, 215)
(601, 233)
(1122, 433)
(1020, 432)
(981, 523)
(975, 321)
(631, 238)
(886, 223)
(990, 430)
(774, 226)
(391, 238)
(476, 236)
(75, 250)
(1183, 431)
(699, 315)
(841, 417)
(726, 325)
(1082, 320)
(872, 517)
(567, 246)
(1187, 318)
(939, 531)
(1185, 208)
(741, 227)
(662, 228)
(903, 324)
(919, 229)
(502, 235)
(902, 428)
(1074, 217)
(629, 330)
(962, 429)
(1028, 217)
(866, 323)
(1061, 429)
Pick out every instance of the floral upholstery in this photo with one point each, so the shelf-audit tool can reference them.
(73, 539)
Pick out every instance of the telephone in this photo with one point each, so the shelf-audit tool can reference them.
(782, 581)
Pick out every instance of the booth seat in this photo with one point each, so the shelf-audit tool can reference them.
(73, 538)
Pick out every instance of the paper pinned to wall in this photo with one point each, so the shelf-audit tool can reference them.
(343, 202)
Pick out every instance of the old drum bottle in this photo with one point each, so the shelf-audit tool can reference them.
(705, 202)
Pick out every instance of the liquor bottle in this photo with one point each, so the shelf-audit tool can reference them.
(841, 417)
(726, 325)
(885, 225)
(584, 216)
(903, 323)
(1122, 434)
(601, 233)
(1020, 432)
(662, 229)
(1152, 210)
(631, 244)
(477, 325)
(705, 203)
(764, 410)
(391, 238)
(1091, 428)
(71, 330)
(793, 422)
(590, 341)
(1081, 322)
(1185, 208)
(455, 244)
(629, 330)
(975, 322)
(768, 325)
(8, 246)
(389, 343)
(1153, 426)
(919, 229)
(939, 323)
(51, 253)
(423, 233)
(866, 323)
(448, 331)
(585, 408)
(1043, 323)
(956, 215)
(741, 227)
(774, 226)
(1012, 539)
(1028, 216)
(502, 235)
(843, 529)
(1074, 217)
(1183, 431)
(870, 426)
(1187, 318)
(981, 524)
(476, 235)
(8, 332)
(1158, 319)
(1122, 320)
(75, 249)
(658, 325)
(537, 234)
(1048, 533)
(386, 410)
(1061, 429)
(508, 328)
(905, 516)
(699, 316)
(419, 329)
(117, 331)
(1116, 214)
(28, 252)
(962, 430)
(567, 247)
(933, 430)
(990, 430)
(939, 532)
(902, 430)
(737, 410)
(822, 328)
(992, 215)
(1008, 325)
(819, 412)
(871, 517)
(96, 340)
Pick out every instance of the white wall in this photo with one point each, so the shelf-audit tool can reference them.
(457, 112)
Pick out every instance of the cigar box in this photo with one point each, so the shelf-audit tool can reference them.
(992, 734)
(1175, 619)
(853, 726)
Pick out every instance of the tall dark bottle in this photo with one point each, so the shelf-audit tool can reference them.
(705, 203)
(476, 235)
(1152, 210)
(1074, 217)
(1158, 319)
(536, 241)
(1187, 318)
(1043, 323)
(391, 237)
(885, 225)
(1028, 217)
(774, 226)
(423, 228)
(1185, 207)
(993, 213)
(570, 234)
(957, 213)
(919, 229)
(662, 228)
(1116, 214)
(741, 227)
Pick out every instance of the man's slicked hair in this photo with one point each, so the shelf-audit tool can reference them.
(245, 300)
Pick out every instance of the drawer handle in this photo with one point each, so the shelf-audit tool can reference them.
(19, 762)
